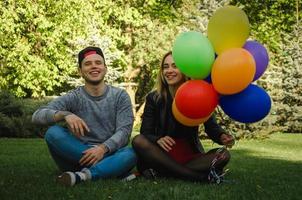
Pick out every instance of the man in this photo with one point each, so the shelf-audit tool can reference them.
(99, 119)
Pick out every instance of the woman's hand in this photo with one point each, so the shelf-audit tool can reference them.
(93, 155)
(166, 143)
(227, 140)
(76, 125)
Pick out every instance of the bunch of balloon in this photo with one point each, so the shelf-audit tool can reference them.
(238, 64)
(224, 78)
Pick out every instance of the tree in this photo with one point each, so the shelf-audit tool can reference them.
(40, 39)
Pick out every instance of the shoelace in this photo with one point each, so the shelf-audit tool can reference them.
(218, 156)
(213, 176)
(150, 173)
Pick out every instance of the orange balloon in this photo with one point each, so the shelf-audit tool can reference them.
(233, 71)
(185, 120)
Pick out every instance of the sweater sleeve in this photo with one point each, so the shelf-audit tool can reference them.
(148, 126)
(124, 123)
(45, 114)
(213, 130)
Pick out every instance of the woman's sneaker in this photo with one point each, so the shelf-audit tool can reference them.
(217, 177)
(214, 175)
(150, 174)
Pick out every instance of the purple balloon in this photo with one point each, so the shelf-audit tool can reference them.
(260, 55)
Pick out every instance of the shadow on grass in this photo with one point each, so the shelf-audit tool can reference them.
(27, 172)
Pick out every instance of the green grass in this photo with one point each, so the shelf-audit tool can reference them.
(259, 169)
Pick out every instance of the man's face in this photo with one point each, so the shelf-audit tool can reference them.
(93, 69)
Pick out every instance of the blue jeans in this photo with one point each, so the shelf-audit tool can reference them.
(67, 150)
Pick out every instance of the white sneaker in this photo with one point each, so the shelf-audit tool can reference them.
(130, 177)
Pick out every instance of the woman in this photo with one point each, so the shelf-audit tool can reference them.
(167, 148)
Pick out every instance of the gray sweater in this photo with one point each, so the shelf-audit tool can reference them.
(109, 117)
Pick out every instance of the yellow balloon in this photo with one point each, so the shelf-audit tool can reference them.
(233, 71)
(185, 120)
(228, 28)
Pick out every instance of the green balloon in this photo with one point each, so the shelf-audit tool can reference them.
(193, 54)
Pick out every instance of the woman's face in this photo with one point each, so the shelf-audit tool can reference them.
(170, 72)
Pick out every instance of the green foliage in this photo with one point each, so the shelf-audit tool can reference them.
(24, 36)
(37, 43)
(40, 39)
(270, 19)
(9, 105)
(290, 106)
(15, 116)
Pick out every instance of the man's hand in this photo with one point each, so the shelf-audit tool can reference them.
(166, 143)
(76, 125)
(93, 155)
(227, 140)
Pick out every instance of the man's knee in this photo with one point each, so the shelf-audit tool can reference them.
(54, 133)
(126, 155)
(130, 154)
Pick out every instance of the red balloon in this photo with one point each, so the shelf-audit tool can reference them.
(196, 99)
(185, 120)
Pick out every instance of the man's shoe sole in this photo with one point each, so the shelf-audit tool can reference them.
(67, 179)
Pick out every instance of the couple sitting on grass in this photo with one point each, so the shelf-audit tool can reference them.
(99, 121)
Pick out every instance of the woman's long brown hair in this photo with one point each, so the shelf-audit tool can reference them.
(162, 86)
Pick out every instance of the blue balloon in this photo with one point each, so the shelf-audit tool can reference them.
(250, 105)
(208, 79)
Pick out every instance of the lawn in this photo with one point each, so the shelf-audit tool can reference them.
(259, 169)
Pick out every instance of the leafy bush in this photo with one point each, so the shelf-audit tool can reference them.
(15, 116)
(290, 61)
(9, 105)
